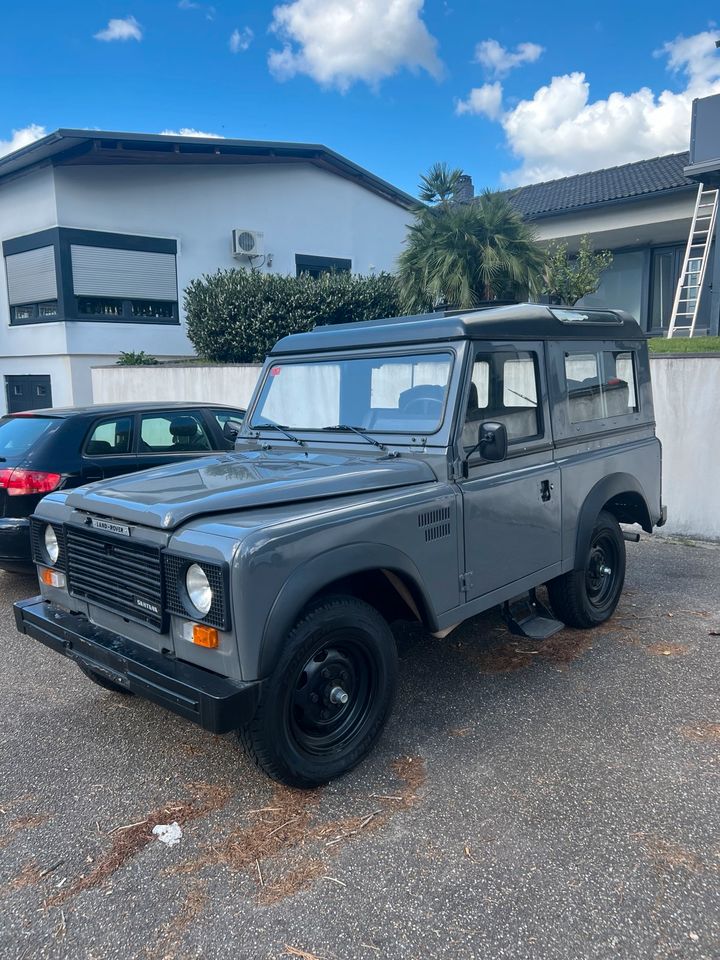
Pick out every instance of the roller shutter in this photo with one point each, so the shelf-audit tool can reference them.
(31, 276)
(128, 274)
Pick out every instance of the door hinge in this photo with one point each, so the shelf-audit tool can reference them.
(466, 581)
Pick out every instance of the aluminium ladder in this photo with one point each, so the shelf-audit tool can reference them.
(686, 305)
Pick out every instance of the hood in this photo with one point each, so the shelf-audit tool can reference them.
(168, 496)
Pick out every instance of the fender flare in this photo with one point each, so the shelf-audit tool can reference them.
(308, 579)
(604, 490)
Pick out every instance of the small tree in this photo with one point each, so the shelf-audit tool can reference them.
(567, 279)
(131, 358)
(461, 253)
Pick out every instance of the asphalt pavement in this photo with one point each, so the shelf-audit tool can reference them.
(555, 800)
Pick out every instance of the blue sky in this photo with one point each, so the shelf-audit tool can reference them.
(510, 92)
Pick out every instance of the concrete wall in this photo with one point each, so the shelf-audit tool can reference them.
(687, 409)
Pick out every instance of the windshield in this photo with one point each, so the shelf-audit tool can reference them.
(18, 434)
(399, 394)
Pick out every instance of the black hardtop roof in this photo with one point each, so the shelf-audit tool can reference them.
(522, 321)
(93, 409)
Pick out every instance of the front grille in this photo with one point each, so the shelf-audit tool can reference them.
(175, 567)
(37, 543)
(120, 575)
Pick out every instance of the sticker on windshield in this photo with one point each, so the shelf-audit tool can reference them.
(274, 371)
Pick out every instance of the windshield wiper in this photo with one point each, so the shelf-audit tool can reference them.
(280, 428)
(359, 432)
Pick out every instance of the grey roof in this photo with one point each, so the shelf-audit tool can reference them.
(96, 147)
(522, 321)
(631, 181)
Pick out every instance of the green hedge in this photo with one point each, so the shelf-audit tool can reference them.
(236, 316)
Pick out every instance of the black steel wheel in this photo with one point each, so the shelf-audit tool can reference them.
(588, 597)
(329, 697)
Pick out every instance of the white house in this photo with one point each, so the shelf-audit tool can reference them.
(101, 232)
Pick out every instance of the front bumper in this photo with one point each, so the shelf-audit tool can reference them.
(15, 550)
(214, 702)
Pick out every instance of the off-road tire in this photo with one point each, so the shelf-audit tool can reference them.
(580, 598)
(337, 640)
(104, 682)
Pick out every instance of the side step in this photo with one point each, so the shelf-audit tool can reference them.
(525, 616)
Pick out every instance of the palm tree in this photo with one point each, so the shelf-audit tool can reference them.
(462, 253)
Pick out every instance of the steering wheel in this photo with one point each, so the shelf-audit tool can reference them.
(426, 406)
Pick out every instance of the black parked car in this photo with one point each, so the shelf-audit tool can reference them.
(44, 450)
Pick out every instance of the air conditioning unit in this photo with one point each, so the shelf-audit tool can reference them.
(247, 243)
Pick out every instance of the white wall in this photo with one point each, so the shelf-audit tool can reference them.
(232, 384)
(687, 410)
(687, 407)
(298, 208)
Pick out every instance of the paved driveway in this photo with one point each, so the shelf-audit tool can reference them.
(527, 801)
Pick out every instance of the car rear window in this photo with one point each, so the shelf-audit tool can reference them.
(18, 434)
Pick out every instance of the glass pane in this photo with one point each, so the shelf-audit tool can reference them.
(404, 394)
(621, 285)
(585, 398)
(18, 434)
(172, 433)
(619, 374)
(111, 436)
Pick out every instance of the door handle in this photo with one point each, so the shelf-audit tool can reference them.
(546, 489)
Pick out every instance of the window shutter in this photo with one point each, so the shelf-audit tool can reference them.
(129, 274)
(31, 276)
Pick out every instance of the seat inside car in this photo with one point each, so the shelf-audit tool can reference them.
(186, 434)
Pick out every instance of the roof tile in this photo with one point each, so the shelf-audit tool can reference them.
(642, 178)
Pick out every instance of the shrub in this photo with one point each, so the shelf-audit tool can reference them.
(236, 316)
(567, 279)
(130, 358)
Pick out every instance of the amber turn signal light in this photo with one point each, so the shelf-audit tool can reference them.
(205, 636)
(52, 578)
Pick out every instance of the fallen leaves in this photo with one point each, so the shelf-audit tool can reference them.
(703, 731)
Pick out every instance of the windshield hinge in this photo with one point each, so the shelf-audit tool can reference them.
(458, 469)
(466, 581)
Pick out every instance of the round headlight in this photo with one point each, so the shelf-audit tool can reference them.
(52, 547)
(198, 588)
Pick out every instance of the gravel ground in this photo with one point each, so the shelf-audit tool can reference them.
(555, 800)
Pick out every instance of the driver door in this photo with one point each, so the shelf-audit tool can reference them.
(511, 509)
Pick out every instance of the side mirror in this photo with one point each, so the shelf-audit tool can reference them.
(231, 429)
(492, 440)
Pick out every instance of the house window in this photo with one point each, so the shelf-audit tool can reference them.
(72, 274)
(621, 285)
(315, 266)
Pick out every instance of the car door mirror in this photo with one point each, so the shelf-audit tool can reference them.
(492, 441)
(231, 429)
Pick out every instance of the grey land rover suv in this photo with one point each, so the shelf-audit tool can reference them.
(426, 467)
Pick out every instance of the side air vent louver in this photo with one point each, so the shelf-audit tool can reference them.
(435, 523)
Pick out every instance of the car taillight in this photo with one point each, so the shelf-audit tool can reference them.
(19, 482)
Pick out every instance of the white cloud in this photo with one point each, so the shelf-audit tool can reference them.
(339, 42)
(22, 138)
(192, 5)
(240, 40)
(485, 101)
(560, 130)
(127, 29)
(190, 132)
(498, 60)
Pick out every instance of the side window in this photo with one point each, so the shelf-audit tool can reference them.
(172, 433)
(504, 388)
(600, 385)
(110, 437)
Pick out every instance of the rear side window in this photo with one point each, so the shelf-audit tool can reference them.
(18, 434)
(110, 437)
(173, 433)
(600, 385)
